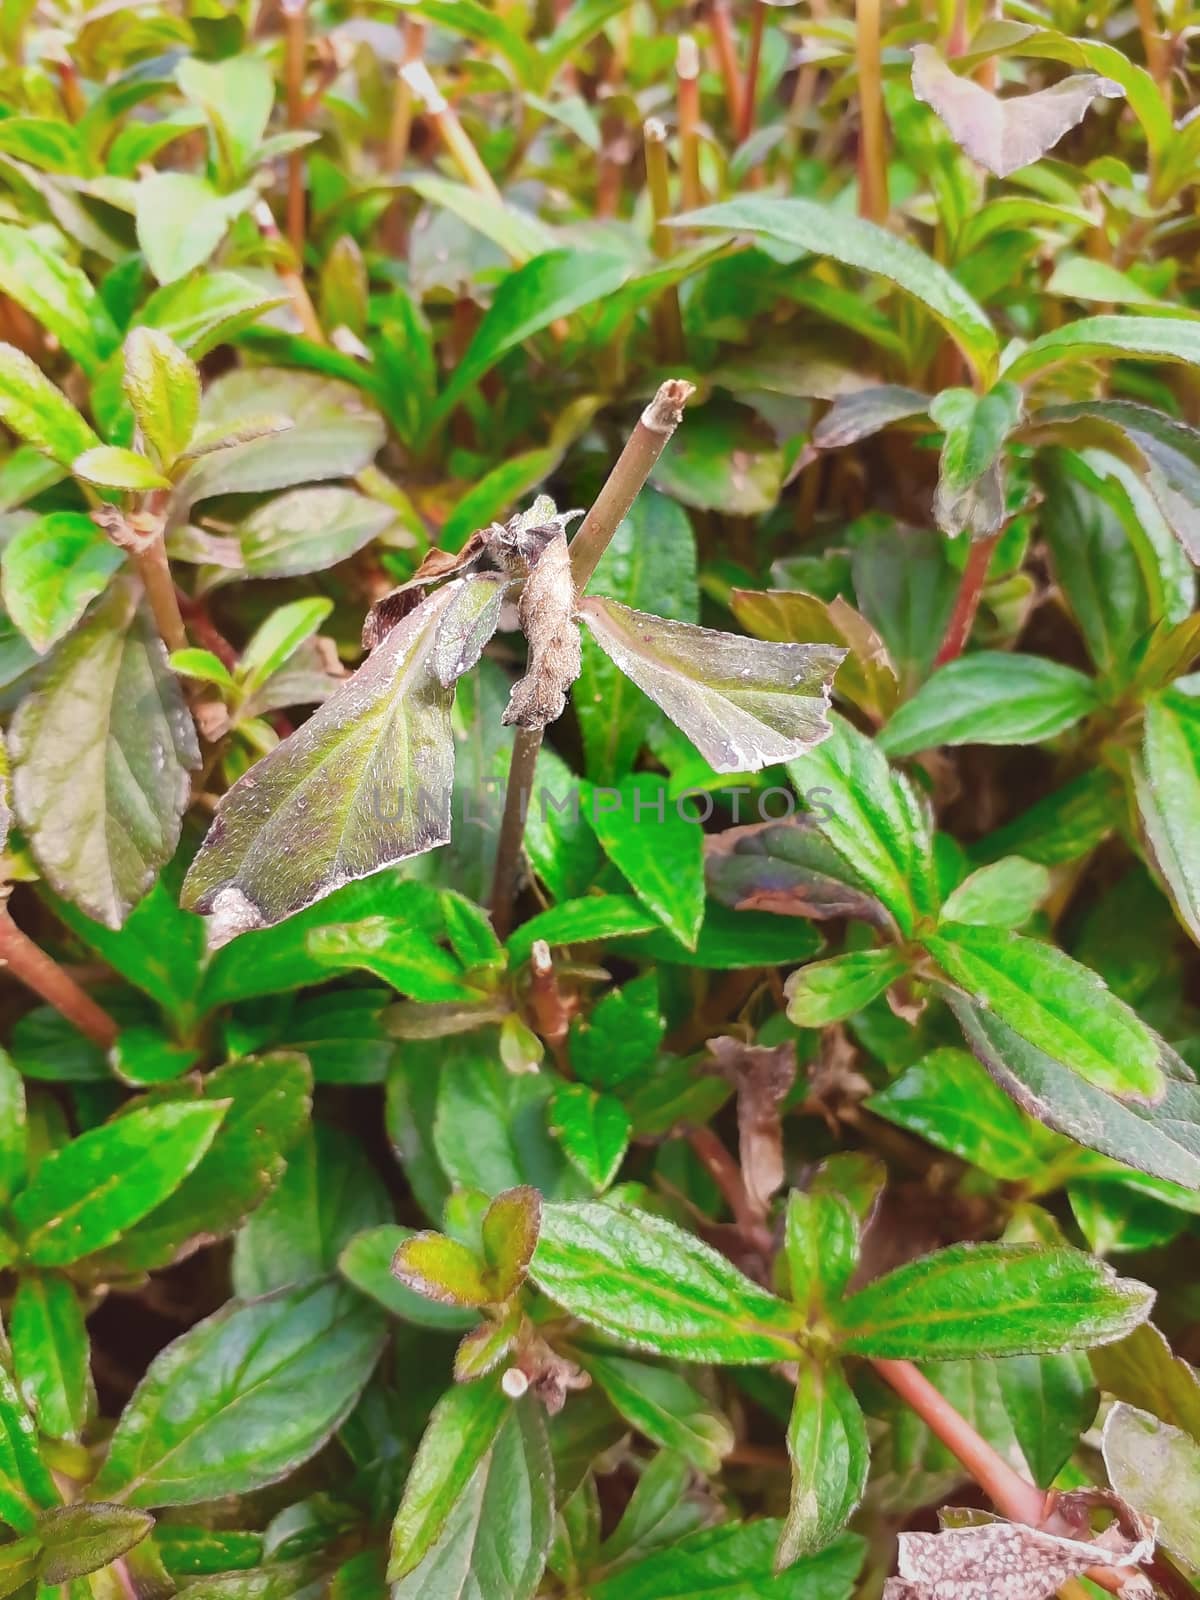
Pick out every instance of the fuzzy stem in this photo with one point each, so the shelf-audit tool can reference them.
(306, 313)
(451, 130)
(667, 318)
(295, 22)
(872, 147)
(155, 572)
(726, 53)
(643, 448)
(1154, 46)
(758, 24)
(966, 602)
(687, 71)
(1008, 1491)
(37, 971)
(400, 130)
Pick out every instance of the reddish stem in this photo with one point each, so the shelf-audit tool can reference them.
(725, 48)
(966, 602)
(758, 23)
(37, 971)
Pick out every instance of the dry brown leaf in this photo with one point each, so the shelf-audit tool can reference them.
(762, 1077)
(1004, 135)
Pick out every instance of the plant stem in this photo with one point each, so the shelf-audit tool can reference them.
(451, 130)
(726, 52)
(727, 1175)
(758, 24)
(687, 71)
(400, 130)
(966, 602)
(1154, 46)
(1009, 1492)
(872, 147)
(155, 572)
(295, 22)
(667, 318)
(306, 313)
(526, 744)
(37, 971)
(643, 448)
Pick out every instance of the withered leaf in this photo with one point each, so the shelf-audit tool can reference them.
(745, 704)
(990, 1559)
(762, 1076)
(394, 606)
(366, 782)
(1004, 135)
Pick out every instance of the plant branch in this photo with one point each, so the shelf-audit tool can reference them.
(668, 322)
(1009, 1492)
(872, 145)
(295, 23)
(30, 965)
(966, 602)
(687, 71)
(643, 448)
(758, 22)
(726, 53)
(453, 135)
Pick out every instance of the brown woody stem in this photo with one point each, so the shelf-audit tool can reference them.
(966, 602)
(872, 148)
(643, 448)
(1008, 1491)
(30, 964)
(726, 52)
(302, 305)
(155, 572)
(400, 130)
(295, 23)
(758, 22)
(453, 134)
(687, 71)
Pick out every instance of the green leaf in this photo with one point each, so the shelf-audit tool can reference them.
(820, 230)
(412, 962)
(18, 1565)
(830, 1453)
(87, 1193)
(163, 386)
(509, 1234)
(827, 991)
(202, 312)
(1156, 1468)
(663, 1407)
(821, 1243)
(490, 1131)
(551, 286)
(181, 219)
(51, 1356)
(1167, 785)
(1003, 135)
(1058, 1005)
(593, 1129)
(948, 1098)
(1089, 339)
(991, 1299)
(268, 1100)
(463, 1429)
(12, 1129)
(236, 96)
(650, 564)
(1004, 894)
(621, 1035)
(117, 468)
(1142, 1370)
(657, 848)
(244, 1397)
(201, 665)
(83, 1538)
(368, 777)
(327, 1196)
(991, 697)
(57, 294)
(743, 703)
(970, 494)
(35, 410)
(724, 460)
(25, 1482)
(107, 705)
(872, 818)
(306, 530)
(596, 916)
(494, 1543)
(277, 639)
(644, 1281)
(1163, 1139)
(520, 234)
(366, 1262)
(50, 570)
(735, 1562)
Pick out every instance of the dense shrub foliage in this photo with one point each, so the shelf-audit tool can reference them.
(617, 1053)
